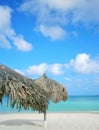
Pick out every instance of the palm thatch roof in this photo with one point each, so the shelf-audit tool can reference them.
(28, 93)
(56, 90)
(22, 91)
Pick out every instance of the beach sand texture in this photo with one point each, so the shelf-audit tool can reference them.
(55, 121)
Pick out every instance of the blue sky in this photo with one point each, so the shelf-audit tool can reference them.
(56, 37)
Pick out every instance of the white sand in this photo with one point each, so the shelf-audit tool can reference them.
(55, 121)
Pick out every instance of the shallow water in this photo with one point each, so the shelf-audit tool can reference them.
(77, 103)
(73, 104)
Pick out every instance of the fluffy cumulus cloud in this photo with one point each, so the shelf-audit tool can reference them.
(56, 69)
(8, 34)
(60, 13)
(84, 64)
(37, 69)
(54, 32)
(21, 44)
(42, 68)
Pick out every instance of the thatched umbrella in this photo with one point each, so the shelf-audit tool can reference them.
(22, 91)
(28, 93)
(55, 90)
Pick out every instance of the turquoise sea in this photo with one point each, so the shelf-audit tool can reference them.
(73, 104)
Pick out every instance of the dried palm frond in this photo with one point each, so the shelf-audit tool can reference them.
(56, 90)
(22, 91)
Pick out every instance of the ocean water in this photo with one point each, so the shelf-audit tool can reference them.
(73, 104)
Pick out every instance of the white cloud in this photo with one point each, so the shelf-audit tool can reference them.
(21, 44)
(56, 69)
(8, 34)
(81, 10)
(62, 4)
(5, 16)
(37, 69)
(84, 64)
(42, 11)
(87, 12)
(51, 13)
(49, 23)
(42, 68)
(54, 32)
(4, 42)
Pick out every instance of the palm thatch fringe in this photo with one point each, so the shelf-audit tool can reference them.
(22, 91)
(56, 90)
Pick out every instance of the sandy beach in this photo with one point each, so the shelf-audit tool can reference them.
(55, 121)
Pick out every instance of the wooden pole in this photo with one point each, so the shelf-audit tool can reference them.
(45, 121)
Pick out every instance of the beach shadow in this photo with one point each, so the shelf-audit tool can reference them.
(19, 122)
(94, 113)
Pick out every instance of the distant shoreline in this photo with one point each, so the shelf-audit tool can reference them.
(53, 112)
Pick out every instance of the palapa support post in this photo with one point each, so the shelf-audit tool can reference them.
(45, 121)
